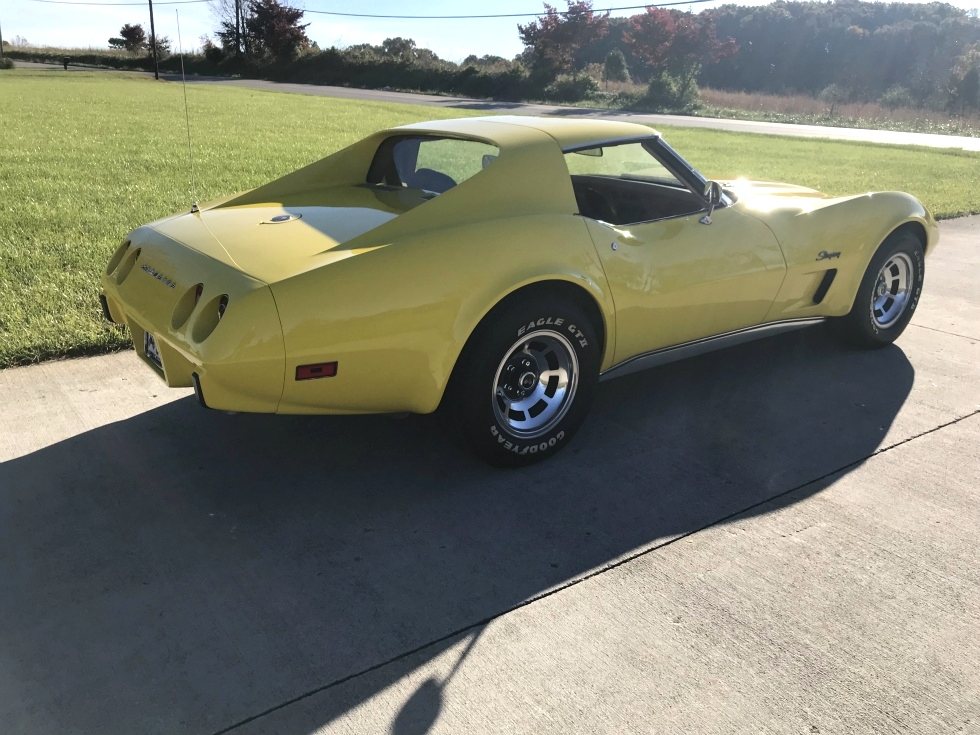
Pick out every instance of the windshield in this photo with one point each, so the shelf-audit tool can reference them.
(631, 161)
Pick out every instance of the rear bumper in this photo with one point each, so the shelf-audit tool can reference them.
(226, 342)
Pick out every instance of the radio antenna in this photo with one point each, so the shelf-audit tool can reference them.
(187, 118)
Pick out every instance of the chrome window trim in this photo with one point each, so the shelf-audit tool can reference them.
(609, 142)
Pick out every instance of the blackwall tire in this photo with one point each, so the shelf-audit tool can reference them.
(888, 295)
(525, 381)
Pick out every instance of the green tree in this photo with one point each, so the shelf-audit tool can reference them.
(133, 38)
(965, 80)
(615, 69)
(276, 29)
(400, 49)
(163, 47)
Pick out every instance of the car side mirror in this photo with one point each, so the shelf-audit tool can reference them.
(712, 196)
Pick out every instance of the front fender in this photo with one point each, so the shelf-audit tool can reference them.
(854, 227)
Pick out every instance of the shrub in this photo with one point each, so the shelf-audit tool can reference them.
(628, 100)
(571, 88)
(834, 94)
(896, 96)
(513, 84)
(668, 93)
(214, 54)
(6, 63)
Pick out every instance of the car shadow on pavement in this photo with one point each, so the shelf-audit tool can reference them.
(185, 570)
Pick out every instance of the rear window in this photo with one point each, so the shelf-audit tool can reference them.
(430, 163)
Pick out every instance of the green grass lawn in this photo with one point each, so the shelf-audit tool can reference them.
(945, 180)
(85, 157)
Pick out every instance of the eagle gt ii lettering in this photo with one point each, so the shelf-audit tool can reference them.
(540, 323)
(465, 265)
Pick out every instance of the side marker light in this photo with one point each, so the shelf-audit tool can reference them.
(318, 370)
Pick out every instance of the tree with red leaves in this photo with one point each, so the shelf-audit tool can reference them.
(552, 40)
(676, 43)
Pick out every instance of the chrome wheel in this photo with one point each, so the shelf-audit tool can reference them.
(535, 383)
(891, 290)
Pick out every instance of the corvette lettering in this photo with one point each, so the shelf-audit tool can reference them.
(163, 279)
(824, 255)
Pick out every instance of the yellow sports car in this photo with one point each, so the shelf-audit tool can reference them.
(497, 268)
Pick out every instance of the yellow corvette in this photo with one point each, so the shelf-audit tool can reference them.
(499, 268)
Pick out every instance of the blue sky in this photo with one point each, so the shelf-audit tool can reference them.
(91, 26)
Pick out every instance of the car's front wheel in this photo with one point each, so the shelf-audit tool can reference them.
(888, 294)
(525, 381)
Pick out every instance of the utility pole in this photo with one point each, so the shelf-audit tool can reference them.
(238, 24)
(153, 43)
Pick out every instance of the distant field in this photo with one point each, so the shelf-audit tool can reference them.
(87, 157)
(802, 110)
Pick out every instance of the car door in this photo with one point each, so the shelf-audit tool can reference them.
(677, 280)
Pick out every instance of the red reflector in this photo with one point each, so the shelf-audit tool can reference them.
(319, 370)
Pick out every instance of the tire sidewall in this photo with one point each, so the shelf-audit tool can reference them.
(473, 403)
(866, 330)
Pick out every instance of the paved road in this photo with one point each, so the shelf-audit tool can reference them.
(779, 538)
(518, 108)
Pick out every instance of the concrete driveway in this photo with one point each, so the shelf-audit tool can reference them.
(779, 538)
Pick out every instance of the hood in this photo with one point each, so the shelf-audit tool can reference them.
(768, 198)
(744, 188)
(271, 241)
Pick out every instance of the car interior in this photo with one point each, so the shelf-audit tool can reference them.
(430, 163)
(622, 201)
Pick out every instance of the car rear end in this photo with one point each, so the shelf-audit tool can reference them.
(197, 320)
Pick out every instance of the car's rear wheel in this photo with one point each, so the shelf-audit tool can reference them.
(525, 381)
(888, 294)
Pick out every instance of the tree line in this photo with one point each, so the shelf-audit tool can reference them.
(898, 53)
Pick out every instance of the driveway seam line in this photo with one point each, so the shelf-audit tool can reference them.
(594, 573)
(943, 331)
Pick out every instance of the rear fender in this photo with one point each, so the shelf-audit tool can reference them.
(396, 318)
